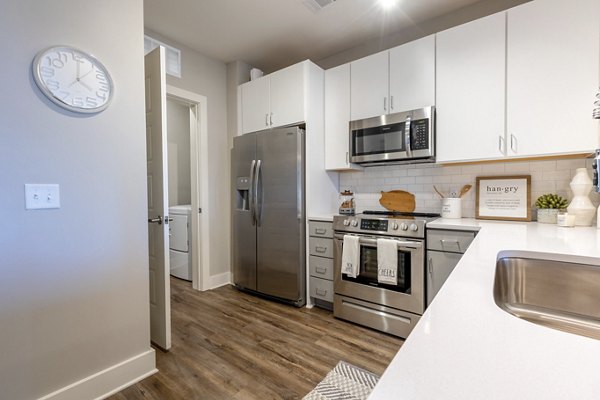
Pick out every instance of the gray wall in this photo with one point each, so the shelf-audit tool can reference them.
(207, 77)
(74, 285)
(458, 17)
(178, 138)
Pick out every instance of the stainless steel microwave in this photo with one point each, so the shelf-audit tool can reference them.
(404, 137)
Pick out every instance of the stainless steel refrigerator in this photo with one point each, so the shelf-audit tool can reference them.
(269, 214)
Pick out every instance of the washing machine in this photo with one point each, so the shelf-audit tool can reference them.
(180, 237)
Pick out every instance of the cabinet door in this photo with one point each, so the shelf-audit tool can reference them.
(337, 118)
(553, 64)
(287, 96)
(470, 99)
(412, 75)
(369, 86)
(439, 267)
(255, 105)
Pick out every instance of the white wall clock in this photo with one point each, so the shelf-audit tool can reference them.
(73, 79)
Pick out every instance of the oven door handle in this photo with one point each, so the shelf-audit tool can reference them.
(371, 241)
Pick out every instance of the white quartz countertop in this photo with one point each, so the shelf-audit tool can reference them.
(465, 347)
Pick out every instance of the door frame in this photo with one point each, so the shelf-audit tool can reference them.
(199, 183)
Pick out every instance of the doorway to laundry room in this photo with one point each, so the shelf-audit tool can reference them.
(179, 189)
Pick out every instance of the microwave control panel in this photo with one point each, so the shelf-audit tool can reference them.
(420, 135)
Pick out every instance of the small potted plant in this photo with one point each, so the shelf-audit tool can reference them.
(548, 206)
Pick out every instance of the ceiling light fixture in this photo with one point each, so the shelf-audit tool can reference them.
(387, 4)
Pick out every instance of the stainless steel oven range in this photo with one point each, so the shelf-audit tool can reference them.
(394, 309)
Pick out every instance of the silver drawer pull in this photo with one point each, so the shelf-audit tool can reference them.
(320, 231)
(320, 249)
(321, 270)
(321, 292)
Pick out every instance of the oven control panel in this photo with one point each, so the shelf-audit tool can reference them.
(374, 225)
(399, 227)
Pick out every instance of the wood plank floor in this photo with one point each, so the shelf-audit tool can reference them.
(231, 345)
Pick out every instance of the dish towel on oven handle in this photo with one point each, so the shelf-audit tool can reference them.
(387, 261)
(350, 257)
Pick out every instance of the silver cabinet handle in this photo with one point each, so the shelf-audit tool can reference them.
(266, 119)
(385, 104)
(271, 119)
(321, 292)
(513, 143)
(407, 137)
(391, 102)
(168, 219)
(320, 249)
(501, 144)
(321, 270)
(157, 220)
(430, 266)
(447, 242)
(320, 231)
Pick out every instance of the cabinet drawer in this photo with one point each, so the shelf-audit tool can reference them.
(321, 267)
(321, 289)
(452, 241)
(321, 229)
(320, 247)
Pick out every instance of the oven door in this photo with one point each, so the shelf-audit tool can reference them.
(408, 294)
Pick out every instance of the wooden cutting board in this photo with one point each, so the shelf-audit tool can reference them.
(398, 200)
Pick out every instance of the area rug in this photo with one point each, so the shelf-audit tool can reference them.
(344, 382)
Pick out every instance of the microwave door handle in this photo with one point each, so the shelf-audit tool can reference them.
(407, 137)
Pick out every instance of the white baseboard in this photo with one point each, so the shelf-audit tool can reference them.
(219, 280)
(109, 381)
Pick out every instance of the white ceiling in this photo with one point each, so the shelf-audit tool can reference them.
(274, 33)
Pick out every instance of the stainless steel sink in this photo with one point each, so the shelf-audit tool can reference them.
(558, 294)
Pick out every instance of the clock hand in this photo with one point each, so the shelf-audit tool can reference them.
(84, 85)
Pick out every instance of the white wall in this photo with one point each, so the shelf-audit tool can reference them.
(207, 77)
(74, 281)
(178, 139)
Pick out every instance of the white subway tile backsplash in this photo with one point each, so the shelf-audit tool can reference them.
(552, 176)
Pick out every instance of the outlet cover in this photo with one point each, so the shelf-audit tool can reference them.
(42, 196)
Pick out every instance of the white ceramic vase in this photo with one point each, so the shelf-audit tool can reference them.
(581, 205)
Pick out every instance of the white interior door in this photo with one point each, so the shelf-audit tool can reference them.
(158, 201)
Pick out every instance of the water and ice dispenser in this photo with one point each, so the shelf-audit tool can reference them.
(242, 198)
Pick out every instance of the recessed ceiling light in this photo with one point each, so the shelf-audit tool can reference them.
(387, 4)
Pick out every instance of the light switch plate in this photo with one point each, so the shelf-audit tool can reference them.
(41, 196)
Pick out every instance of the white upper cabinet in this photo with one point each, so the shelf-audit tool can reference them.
(397, 80)
(412, 75)
(277, 99)
(337, 118)
(470, 82)
(552, 77)
(255, 105)
(369, 86)
(287, 95)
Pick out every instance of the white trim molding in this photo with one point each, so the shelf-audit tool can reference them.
(110, 380)
(220, 280)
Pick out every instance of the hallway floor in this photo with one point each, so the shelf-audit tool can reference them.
(230, 345)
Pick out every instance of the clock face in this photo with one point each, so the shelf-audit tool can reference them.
(73, 79)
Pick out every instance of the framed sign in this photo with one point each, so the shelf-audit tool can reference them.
(503, 197)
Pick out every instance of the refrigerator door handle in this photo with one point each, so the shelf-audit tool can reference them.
(257, 206)
(251, 192)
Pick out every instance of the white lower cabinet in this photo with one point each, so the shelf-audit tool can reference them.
(320, 263)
